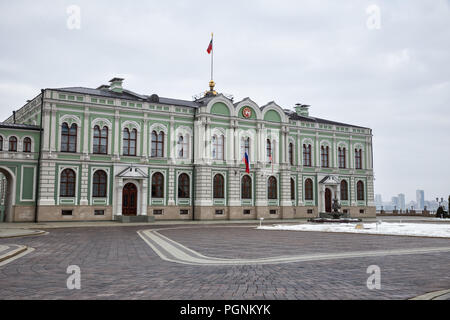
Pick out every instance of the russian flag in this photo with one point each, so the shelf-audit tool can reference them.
(247, 163)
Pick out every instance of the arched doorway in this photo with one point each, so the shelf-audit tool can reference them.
(7, 194)
(327, 200)
(129, 200)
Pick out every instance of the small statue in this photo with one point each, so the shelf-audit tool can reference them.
(336, 206)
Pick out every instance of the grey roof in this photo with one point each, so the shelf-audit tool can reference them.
(8, 125)
(295, 116)
(127, 94)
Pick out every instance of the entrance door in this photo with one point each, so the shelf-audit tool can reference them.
(327, 200)
(129, 200)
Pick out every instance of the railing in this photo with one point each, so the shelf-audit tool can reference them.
(407, 212)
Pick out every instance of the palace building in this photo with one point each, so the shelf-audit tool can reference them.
(81, 154)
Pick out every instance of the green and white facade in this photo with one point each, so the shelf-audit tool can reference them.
(199, 164)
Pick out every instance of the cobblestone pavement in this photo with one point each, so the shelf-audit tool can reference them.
(116, 263)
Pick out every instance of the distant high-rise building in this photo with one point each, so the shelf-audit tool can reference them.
(378, 201)
(394, 202)
(401, 201)
(420, 199)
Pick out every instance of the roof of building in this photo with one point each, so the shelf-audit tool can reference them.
(18, 126)
(127, 94)
(294, 116)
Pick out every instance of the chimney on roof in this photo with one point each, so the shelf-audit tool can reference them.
(302, 109)
(116, 85)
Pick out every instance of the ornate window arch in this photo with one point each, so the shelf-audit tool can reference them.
(272, 188)
(67, 183)
(157, 185)
(292, 189)
(99, 184)
(360, 191)
(184, 142)
(27, 144)
(246, 187)
(309, 193)
(12, 144)
(131, 138)
(308, 155)
(1, 142)
(183, 186)
(219, 186)
(358, 156)
(68, 131)
(344, 190)
(101, 129)
(158, 138)
(325, 155)
(218, 144)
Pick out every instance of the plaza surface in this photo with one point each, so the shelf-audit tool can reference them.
(117, 262)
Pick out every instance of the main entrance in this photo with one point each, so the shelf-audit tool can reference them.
(129, 200)
(327, 200)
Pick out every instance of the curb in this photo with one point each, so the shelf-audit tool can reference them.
(35, 233)
(13, 253)
(433, 295)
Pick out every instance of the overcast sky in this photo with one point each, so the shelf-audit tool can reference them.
(394, 79)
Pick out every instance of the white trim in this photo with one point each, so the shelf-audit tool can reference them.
(108, 181)
(61, 168)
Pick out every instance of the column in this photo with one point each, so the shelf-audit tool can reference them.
(87, 126)
(54, 130)
(117, 136)
(144, 197)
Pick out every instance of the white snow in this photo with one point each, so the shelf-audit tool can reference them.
(384, 228)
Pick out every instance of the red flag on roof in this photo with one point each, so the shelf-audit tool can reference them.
(209, 47)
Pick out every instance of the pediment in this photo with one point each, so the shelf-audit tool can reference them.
(330, 180)
(132, 173)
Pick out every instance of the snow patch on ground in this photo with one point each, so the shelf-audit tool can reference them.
(385, 228)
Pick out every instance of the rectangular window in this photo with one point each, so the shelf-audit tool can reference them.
(273, 211)
(361, 211)
(99, 212)
(66, 212)
(219, 212)
(246, 211)
(184, 211)
(157, 212)
(310, 211)
(345, 211)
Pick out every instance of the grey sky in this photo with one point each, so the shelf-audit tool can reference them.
(395, 80)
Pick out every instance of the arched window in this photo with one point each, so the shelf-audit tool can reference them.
(183, 186)
(245, 147)
(309, 195)
(13, 144)
(157, 144)
(358, 158)
(291, 154)
(360, 191)
(157, 185)
(1, 143)
(341, 156)
(307, 155)
(272, 188)
(129, 142)
(69, 137)
(324, 156)
(67, 183)
(100, 145)
(269, 151)
(99, 184)
(246, 187)
(27, 144)
(292, 189)
(183, 145)
(218, 147)
(344, 190)
(218, 187)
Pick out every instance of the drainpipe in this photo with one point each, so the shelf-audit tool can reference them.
(193, 169)
(38, 175)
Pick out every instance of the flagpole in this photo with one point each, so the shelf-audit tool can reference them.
(212, 55)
